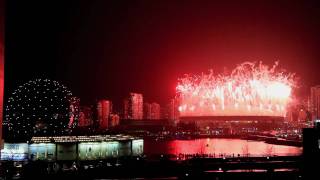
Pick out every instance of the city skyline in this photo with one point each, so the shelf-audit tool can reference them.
(162, 89)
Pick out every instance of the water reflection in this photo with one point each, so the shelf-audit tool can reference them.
(219, 146)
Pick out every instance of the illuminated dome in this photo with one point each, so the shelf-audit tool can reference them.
(40, 107)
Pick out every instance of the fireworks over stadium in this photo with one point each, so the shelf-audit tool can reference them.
(251, 89)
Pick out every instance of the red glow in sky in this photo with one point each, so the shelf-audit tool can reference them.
(250, 89)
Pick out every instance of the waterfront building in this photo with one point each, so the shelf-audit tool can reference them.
(71, 148)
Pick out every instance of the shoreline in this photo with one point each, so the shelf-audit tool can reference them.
(266, 139)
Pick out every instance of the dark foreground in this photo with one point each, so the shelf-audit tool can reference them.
(160, 168)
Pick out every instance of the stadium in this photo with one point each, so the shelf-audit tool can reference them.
(251, 93)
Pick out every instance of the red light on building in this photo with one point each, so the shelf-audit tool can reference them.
(104, 109)
(85, 116)
(155, 111)
(151, 111)
(133, 106)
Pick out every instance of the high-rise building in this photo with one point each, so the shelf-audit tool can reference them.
(86, 116)
(164, 112)
(126, 109)
(173, 112)
(308, 104)
(133, 106)
(147, 111)
(155, 111)
(315, 102)
(104, 109)
(82, 119)
(151, 111)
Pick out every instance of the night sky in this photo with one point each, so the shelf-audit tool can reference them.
(106, 49)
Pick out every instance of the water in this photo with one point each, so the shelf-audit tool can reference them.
(218, 146)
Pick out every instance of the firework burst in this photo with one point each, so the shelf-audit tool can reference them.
(251, 89)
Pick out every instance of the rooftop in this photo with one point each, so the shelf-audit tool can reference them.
(96, 138)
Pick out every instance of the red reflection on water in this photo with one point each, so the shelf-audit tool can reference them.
(219, 146)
